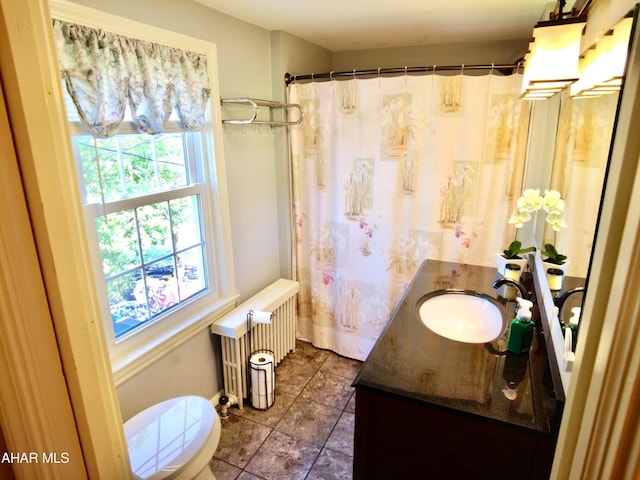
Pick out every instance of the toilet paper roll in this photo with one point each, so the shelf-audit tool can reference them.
(261, 317)
(261, 398)
(262, 379)
(262, 401)
(260, 359)
(262, 373)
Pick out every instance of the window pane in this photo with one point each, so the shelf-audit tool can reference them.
(127, 302)
(132, 164)
(171, 160)
(100, 166)
(185, 219)
(169, 234)
(118, 240)
(152, 254)
(137, 156)
(155, 231)
(191, 272)
(162, 288)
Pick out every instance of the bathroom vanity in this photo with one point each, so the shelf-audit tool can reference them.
(431, 407)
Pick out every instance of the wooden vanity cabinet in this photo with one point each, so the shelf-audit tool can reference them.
(400, 438)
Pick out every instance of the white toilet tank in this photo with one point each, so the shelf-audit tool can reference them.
(173, 439)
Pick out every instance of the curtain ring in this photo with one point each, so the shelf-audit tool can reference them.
(491, 71)
(405, 70)
(313, 79)
(434, 69)
(331, 74)
(462, 70)
(354, 73)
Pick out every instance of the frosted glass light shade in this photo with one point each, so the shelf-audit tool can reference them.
(552, 61)
(601, 68)
(617, 52)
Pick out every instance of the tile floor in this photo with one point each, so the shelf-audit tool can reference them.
(307, 434)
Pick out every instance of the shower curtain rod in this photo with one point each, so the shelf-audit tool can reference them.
(506, 69)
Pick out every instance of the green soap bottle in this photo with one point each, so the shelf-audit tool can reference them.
(521, 331)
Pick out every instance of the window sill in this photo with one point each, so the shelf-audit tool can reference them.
(130, 362)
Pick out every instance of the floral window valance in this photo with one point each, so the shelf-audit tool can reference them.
(104, 71)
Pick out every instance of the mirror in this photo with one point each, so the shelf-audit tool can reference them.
(583, 138)
(582, 130)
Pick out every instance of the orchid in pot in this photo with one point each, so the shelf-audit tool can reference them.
(529, 203)
(527, 207)
(553, 205)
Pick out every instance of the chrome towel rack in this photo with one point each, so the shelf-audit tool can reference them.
(271, 105)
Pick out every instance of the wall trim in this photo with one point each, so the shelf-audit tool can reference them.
(35, 410)
(599, 435)
(36, 108)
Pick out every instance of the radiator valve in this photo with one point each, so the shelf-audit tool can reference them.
(224, 407)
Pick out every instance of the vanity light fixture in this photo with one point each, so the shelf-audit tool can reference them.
(602, 66)
(551, 64)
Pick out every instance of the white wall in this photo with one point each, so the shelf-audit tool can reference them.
(289, 55)
(504, 51)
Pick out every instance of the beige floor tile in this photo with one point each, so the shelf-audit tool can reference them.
(351, 405)
(342, 366)
(248, 476)
(308, 432)
(307, 354)
(328, 389)
(271, 416)
(292, 377)
(341, 438)
(309, 420)
(331, 465)
(240, 440)
(223, 470)
(283, 457)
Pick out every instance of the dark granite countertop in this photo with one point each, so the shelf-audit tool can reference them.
(482, 380)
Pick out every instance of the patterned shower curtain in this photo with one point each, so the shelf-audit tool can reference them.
(584, 135)
(388, 172)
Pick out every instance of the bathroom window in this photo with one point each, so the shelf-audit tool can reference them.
(143, 195)
(154, 204)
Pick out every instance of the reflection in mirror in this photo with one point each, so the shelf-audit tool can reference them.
(583, 138)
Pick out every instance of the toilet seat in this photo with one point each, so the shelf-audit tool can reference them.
(164, 439)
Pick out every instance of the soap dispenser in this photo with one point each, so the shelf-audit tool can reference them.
(574, 323)
(521, 331)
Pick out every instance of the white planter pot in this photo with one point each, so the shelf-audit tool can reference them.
(501, 262)
(564, 266)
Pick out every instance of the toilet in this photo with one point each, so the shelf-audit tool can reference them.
(174, 439)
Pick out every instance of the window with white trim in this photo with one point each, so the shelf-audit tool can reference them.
(144, 194)
(154, 204)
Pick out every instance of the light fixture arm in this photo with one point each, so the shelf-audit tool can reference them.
(559, 13)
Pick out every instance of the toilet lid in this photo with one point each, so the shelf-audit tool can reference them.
(164, 437)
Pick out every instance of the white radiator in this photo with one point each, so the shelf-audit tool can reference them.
(279, 336)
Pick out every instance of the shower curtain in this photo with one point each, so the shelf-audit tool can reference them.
(583, 139)
(388, 172)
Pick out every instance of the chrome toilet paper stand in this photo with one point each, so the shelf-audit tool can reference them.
(261, 372)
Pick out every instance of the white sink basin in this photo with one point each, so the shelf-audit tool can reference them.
(462, 315)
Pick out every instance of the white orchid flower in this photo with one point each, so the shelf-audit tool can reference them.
(519, 218)
(530, 200)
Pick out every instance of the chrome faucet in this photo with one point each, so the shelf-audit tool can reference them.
(563, 298)
(523, 291)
